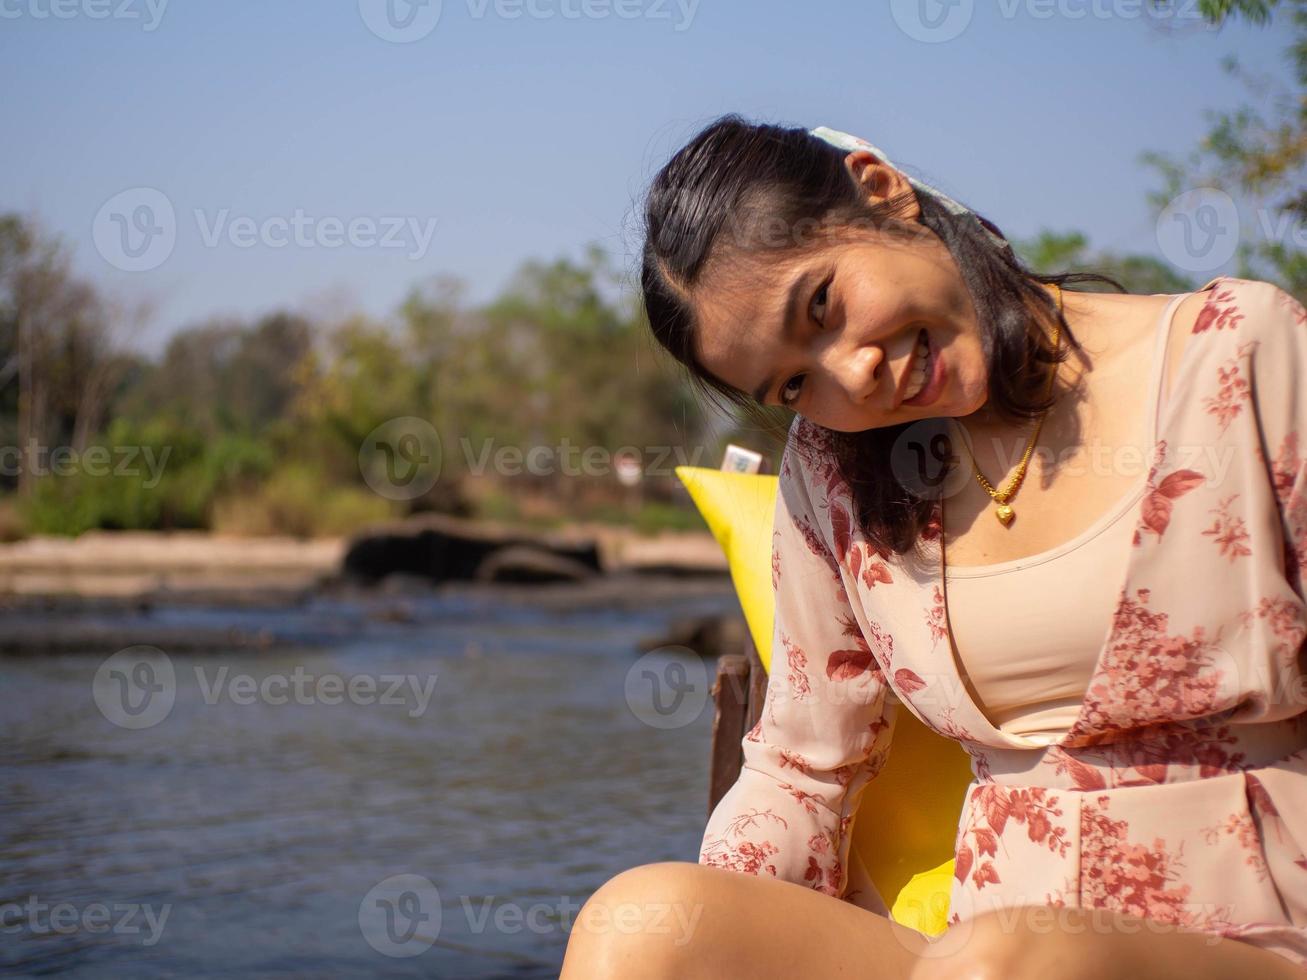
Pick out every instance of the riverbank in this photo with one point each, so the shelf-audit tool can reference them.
(193, 566)
(202, 592)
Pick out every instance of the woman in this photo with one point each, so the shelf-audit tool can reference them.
(1108, 490)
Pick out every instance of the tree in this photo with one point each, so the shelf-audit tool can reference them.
(58, 359)
(1255, 154)
(1069, 252)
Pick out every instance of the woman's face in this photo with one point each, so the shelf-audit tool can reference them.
(833, 332)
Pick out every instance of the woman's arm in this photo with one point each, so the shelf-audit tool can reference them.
(826, 722)
(1278, 392)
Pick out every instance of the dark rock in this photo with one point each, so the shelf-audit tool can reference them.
(442, 548)
(529, 563)
(708, 636)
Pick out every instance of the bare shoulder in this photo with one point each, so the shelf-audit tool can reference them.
(1122, 327)
(1182, 329)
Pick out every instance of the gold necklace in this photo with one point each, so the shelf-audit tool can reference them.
(1004, 511)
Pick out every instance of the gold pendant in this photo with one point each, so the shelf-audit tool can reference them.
(1004, 514)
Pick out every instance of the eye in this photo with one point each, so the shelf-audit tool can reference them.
(817, 309)
(819, 299)
(786, 387)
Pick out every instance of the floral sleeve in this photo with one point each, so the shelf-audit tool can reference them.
(1278, 353)
(826, 720)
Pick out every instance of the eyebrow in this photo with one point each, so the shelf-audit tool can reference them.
(791, 296)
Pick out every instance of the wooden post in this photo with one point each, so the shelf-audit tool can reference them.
(738, 692)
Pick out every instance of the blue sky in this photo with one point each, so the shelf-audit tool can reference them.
(517, 129)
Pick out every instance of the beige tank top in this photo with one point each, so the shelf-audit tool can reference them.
(1027, 633)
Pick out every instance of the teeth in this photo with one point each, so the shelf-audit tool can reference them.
(918, 381)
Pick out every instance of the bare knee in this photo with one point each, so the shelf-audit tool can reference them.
(987, 947)
(640, 923)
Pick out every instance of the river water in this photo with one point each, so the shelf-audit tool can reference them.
(445, 815)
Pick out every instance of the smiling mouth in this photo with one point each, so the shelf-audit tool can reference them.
(919, 371)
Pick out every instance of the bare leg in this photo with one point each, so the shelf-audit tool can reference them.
(1092, 944)
(683, 920)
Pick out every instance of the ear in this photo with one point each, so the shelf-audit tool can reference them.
(880, 182)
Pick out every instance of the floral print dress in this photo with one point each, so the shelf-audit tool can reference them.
(1180, 791)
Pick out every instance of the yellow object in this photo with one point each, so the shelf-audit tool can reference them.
(923, 902)
(917, 798)
(738, 508)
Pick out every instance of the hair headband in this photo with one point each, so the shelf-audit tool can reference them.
(849, 144)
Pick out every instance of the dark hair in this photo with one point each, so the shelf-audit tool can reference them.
(728, 192)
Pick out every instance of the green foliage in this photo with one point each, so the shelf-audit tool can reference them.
(499, 505)
(655, 516)
(1256, 153)
(257, 427)
(1051, 252)
(296, 499)
(1218, 11)
(152, 474)
(223, 377)
(649, 518)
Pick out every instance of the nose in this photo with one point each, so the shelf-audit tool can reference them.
(859, 371)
